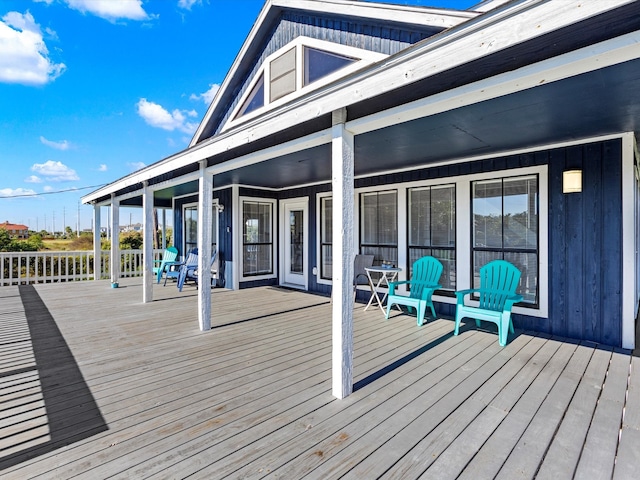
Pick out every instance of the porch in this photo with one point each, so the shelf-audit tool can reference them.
(94, 383)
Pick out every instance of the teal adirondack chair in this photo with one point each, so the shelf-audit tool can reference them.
(168, 258)
(498, 282)
(424, 281)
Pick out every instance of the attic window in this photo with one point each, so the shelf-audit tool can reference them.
(255, 99)
(295, 69)
(319, 63)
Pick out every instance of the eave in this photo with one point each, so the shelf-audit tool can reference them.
(477, 39)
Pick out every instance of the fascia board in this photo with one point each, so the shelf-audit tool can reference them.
(383, 12)
(516, 23)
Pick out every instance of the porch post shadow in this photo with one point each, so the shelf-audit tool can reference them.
(72, 413)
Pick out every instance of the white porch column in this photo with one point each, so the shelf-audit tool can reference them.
(164, 229)
(342, 164)
(115, 239)
(97, 246)
(205, 197)
(147, 243)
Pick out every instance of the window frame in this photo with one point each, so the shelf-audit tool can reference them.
(443, 291)
(506, 250)
(463, 222)
(362, 59)
(274, 239)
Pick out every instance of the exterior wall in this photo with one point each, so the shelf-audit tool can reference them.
(372, 36)
(585, 235)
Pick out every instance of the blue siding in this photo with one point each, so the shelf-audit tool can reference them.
(387, 39)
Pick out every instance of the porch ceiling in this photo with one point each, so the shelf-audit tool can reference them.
(602, 102)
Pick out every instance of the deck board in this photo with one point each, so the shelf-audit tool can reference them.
(252, 398)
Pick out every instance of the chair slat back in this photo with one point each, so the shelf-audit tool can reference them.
(426, 269)
(170, 254)
(498, 280)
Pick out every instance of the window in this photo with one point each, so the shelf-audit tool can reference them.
(505, 226)
(190, 219)
(379, 226)
(257, 238)
(301, 65)
(283, 75)
(432, 228)
(319, 63)
(255, 99)
(326, 234)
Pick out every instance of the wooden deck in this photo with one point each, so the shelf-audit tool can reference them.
(95, 384)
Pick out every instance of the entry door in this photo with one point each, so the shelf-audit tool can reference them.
(295, 238)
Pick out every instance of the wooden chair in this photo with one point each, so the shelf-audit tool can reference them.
(424, 281)
(168, 258)
(497, 294)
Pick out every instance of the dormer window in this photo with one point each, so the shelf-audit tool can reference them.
(302, 65)
(319, 64)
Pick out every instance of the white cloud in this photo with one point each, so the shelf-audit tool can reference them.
(62, 145)
(55, 171)
(157, 116)
(110, 9)
(16, 192)
(187, 4)
(102, 168)
(47, 188)
(33, 179)
(24, 57)
(206, 97)
(136, 166)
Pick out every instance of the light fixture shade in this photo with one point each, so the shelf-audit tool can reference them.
(572, 181)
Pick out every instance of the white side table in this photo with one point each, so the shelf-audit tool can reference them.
(386, 275)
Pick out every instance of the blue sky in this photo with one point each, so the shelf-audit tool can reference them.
(92, 90)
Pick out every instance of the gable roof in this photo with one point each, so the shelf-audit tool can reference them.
(13, 226)
(505, 63)
(421, 22)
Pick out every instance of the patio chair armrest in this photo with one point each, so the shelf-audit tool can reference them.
(393, 285)
(511, 300)
(460, 294)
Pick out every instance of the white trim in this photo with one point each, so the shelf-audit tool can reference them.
(274, 239)
(444, 18)
(628, 242)
(463, 222)
(216, 218)
(410, 65)
(362, 58)
(303, 203)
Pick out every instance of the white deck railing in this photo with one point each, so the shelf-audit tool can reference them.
(23, 268)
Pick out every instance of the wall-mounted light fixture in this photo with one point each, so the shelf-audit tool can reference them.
(220, 207)
(572, 181)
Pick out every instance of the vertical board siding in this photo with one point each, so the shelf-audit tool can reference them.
(378, 38)
(585, 256)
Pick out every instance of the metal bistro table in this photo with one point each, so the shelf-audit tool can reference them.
(387, 274)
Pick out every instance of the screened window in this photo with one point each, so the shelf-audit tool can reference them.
(379, 226)
(283, 75)
(505, 226)
(257, 238)
(326, 234)
(320, 63)
(432, 228)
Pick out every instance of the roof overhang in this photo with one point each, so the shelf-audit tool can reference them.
(453, 115)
